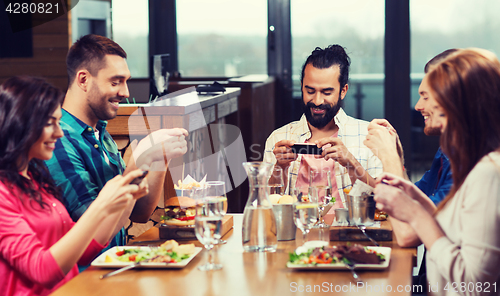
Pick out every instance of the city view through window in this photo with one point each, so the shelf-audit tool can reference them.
(227, 38)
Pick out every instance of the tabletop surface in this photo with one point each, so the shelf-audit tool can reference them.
(246, 274)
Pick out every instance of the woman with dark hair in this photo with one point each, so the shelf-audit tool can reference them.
(462, 234)
(39, 243)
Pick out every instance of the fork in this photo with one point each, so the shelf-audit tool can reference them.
(123, 269)
(362, 228)
(351, 267)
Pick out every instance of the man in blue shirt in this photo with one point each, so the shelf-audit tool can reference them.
(87, 157)
(383, 140)
(435, 183)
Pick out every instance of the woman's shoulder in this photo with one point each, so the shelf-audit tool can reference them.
(487, 168)
(7, 196)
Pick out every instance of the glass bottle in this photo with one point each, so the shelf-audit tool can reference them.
(259, 224)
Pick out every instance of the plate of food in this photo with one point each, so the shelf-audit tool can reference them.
(168, 255)
(336, 257)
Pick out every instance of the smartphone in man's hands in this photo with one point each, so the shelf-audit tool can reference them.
(306, 149)
(139, 179)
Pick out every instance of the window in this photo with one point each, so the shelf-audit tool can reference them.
(131, 32)
(440, 25)
(222, 37)
(359, 27)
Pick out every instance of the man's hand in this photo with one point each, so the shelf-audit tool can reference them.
(160, 145)
(383, 141)
(283, 153)
(334, 148)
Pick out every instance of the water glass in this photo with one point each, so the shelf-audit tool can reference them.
(321, 179)
(305, 209)
(208, 226)
(216, 198)
(215, 192)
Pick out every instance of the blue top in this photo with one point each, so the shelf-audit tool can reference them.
(436, 182)
(79, 167)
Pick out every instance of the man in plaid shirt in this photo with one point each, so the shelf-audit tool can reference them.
(87, 157)
(324, 85)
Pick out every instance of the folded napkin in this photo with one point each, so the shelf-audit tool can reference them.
(359, 188)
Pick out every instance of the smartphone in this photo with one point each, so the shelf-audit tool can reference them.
(139, 179)
(306, 149)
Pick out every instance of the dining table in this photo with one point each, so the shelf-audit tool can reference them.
(247, 273)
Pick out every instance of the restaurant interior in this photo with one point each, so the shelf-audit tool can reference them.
(254, 51)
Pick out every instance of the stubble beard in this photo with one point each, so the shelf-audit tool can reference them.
(99, 104)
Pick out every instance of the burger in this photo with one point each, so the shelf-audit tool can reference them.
(179, 211)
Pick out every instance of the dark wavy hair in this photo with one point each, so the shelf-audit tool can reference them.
(88, 53)
(325, 58)
(467, 86)
(26, 104)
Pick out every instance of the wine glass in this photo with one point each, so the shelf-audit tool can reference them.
(305, 209)
(208, 225)
(321, 179)
(215, 193)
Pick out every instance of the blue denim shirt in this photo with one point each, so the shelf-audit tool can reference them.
(434, 184)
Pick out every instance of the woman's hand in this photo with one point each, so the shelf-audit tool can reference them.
(117, 194)
(398, 197)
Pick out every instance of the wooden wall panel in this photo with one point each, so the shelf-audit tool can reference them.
(50, 46)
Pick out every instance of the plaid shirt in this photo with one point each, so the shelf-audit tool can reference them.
(79, 167)
(352, 132)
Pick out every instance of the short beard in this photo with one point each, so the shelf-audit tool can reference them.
(320, 121)
(431, 131)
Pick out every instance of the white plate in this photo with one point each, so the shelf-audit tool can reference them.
(100, 261)
(311, 245)
(386, 251)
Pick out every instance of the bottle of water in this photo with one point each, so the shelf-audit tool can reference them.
(259, 223)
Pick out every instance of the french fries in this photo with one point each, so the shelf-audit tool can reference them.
(186, 186)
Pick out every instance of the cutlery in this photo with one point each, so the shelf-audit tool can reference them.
(362, 228)
(123, 269)
(351, 267)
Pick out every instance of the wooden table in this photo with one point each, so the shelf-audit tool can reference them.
(245, 274)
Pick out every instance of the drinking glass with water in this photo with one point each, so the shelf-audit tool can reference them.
(215, 192)
(321, 179)
(208, 226)
(305, 209)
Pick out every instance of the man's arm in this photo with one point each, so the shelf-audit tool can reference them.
(334, 148)
(153, 153)
(79, 185)
(144, 207)
(383, 141)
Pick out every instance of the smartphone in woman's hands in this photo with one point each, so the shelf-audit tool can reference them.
(139, 179)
